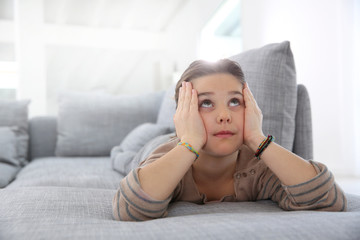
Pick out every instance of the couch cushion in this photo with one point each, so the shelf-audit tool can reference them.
(142, 134)
(270, 72)
(79, 172)
(303, 142)
(91, 124)
(9, 164)
(7, 173)
(167, 109)
(8, 152)
(145, 151)
(43, 134)
(122, 155)
(15, 114)
(73, 213)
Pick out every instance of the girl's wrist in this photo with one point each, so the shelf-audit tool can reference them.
(193, 143)
(190, 148)
(255, 141)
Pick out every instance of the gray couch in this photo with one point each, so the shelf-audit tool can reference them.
(77, 159)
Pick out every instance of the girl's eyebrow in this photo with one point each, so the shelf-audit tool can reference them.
(212, 93)
(205, 93)
(235, 92)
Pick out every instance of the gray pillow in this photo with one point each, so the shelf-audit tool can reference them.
(149, 148)
(14, 114)
(122, 155)
(91, 124)
(8, 146)
(7, 173)
(167, 109)
(270, 72)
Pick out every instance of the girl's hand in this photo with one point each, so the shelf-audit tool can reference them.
(253, 134)
(188, 122)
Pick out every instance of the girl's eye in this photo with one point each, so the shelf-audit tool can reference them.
(234, 102)
(206, 104)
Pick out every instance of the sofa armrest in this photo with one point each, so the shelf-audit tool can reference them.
(43, 135)
(303, 141)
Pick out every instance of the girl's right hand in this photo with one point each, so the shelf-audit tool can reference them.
(188, 122)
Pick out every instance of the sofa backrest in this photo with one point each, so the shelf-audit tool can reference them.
(90, 125)
(43, 135)
(303, 141)
(43, 131)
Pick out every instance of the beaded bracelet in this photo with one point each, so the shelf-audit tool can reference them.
(188, 146)
(263, 145)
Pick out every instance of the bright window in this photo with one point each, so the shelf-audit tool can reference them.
(221, 37)
(8, 80)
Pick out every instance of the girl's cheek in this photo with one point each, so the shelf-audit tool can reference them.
(205, 110)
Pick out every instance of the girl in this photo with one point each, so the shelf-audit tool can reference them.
(221, 154)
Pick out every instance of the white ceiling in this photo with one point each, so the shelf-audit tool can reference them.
(154, 15)
(142, 15)
(149, 15)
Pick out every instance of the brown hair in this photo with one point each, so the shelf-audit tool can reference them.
(202, 68)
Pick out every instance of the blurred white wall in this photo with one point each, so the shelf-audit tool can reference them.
(324, 36)
(119, 47)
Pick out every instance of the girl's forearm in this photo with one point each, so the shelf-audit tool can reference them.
(160, 178)
(288, 167)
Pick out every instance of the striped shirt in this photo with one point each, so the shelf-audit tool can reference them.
(253, 181)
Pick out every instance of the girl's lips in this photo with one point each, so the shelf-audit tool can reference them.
(224, 134)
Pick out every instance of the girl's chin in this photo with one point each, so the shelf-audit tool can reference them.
(221, 151)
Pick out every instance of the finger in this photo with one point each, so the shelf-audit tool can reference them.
(181, 97)
(247, 98)
(249, 91)
(194, 101)
(253, 101)
(187, 95)
(251, 97)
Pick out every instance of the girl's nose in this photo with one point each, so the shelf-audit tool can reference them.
(224, 117)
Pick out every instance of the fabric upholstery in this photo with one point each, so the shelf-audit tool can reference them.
(79, 172)
(15, 114)
(270, 73)
(167, 109)
(138, 137)
(8, 152)
(91, 124)
(145, 151)
(77, 213)
(122, 155)
(43, 134)
(303, 142)
(7, 174)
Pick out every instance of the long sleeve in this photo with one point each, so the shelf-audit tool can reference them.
(131, 203)
(319, 193)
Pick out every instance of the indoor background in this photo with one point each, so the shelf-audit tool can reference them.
(138, 46)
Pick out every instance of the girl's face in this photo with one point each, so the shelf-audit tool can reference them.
(221, 106)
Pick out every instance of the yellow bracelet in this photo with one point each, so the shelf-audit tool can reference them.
(188, 146)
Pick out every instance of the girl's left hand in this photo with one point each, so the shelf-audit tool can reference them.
(253, 134)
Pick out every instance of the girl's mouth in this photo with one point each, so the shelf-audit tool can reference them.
(224, 134)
